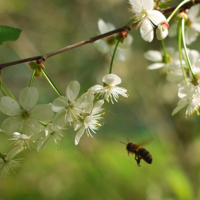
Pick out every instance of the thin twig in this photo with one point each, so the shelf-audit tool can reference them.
(91, 40)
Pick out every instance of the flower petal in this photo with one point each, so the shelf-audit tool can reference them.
(31, 126)
(193, 12)
(43, 143)
(181, 103)
(11, 125)
(59, 103)
(42, 112)
(119, 56)
(102, 46)
(97, 107)
(79, 135)
(111, 79)
(190, 35)
(59, 119)
(77, 125)
(156, 66)
(28, 97)
(127, 42)
(72, 90)
(146, 30)
(139, 5)
(153, 55)
(156, 17)
(105, 27)
(13, 153)
(9, 106)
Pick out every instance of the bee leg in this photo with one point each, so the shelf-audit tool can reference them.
(138, 161)
(138, 158)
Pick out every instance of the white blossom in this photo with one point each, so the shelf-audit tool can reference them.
(190, 95)
(143, 12)
(25, 141)
(8, 164)
(107, 45)
(25, 114)
(90, 123)
(109, 91)
(192, 25)
(58, 134)
(69, 107)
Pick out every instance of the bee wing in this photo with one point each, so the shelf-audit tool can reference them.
(145, 142)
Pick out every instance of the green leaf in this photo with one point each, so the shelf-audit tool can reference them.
(8, 34)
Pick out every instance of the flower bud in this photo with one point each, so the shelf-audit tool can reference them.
(162, 31)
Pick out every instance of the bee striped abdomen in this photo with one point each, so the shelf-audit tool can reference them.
(145, 155)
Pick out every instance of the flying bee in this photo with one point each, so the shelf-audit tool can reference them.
(140, 153)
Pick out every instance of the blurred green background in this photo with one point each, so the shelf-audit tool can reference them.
(99, 167)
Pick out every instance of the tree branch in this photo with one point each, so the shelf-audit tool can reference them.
(91, 40)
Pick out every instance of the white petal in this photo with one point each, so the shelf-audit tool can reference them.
(193, 12)
(146, 30)
(127, 42)
(111, 79)
(43, 143)
(139, 5)
(77, 125)
(9, 106)
(28, 97)
(11, 125)
(37, 136)
(31, 126)
(79, 135)
(196, 26)
(59, 103)
(156, 66)
(72, 90)
(105, 27)
(97, 107)
(42, 112)
(95, 88)
(156, 17)
(190, 35)
(13, 153)
(59, 119)
(181, 103)
(119, 56)
(154, 56)
(102, 46)
(49, 129)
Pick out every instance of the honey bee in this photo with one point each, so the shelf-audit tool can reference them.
(140, 153)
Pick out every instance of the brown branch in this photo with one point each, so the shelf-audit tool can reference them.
(91, 40)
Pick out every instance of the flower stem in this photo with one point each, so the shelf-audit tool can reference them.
(113, 56)
(173, 13)
(2, 91)
(7, 90)
(32, 77)
(51, 82)
(164, 50)
(42, 123)
(185, 48)
(180, 50)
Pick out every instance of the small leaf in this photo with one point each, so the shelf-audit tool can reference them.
(8, 34)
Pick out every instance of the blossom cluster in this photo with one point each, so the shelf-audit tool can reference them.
(31, 123)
